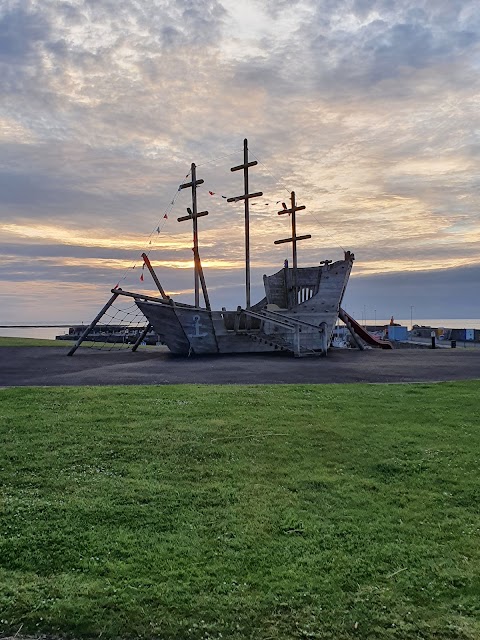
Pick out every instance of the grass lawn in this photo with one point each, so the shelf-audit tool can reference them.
(42, 342)
(269, 512)
(33, 342)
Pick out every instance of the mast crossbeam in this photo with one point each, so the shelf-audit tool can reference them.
(191, 216)
(300, 208)
(245, 196)
(244, 166)
(296, 239)
(188, 185)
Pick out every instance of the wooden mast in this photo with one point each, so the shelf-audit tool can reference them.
(294, 239)
(246, 197)
(193, 214)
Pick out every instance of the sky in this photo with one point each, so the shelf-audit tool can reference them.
(368, 109)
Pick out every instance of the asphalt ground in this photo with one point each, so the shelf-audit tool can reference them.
(50, 366)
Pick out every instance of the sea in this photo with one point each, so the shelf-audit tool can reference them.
(449, 323)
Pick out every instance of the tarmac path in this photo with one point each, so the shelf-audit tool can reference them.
(50, 366)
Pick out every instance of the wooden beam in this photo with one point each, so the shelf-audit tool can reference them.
(198, 265)
(154, 275)
(245, 197)
(244, 166)
(291, 210)
(186, 185)
(291, 239)
(141, 337)
(115, 295)
(191, 216)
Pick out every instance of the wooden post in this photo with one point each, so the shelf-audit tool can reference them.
(198, 267)
(246, 198)
(94, 322)
(193, 215)
(236, 325)
(294, 239)
(141, 337)
(154, 275)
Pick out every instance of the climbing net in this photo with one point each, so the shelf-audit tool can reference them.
(119, 328)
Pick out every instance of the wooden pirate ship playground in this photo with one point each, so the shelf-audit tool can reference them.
(297, 314)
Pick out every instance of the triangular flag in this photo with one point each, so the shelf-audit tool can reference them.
(158, 229)
(165, 217)
(212, 193)
(141, 278)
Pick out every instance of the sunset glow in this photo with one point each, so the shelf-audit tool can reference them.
(368, 110)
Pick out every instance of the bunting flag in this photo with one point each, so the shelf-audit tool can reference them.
(141, 277)
(266, 204)
(117, 285)
(165, 217)
(158, 229)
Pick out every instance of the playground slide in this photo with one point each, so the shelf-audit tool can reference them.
(362, 332)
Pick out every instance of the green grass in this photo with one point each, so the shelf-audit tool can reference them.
(33, 342)
(336, 511)
(42, 342)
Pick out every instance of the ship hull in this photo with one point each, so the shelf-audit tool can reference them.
(296, 317)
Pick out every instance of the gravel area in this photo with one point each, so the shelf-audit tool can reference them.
(42, 366)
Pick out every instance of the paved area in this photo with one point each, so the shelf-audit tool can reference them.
(50, 366)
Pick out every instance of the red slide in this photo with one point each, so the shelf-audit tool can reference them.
(362, 332)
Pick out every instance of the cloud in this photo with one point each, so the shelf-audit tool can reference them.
(367, 108)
